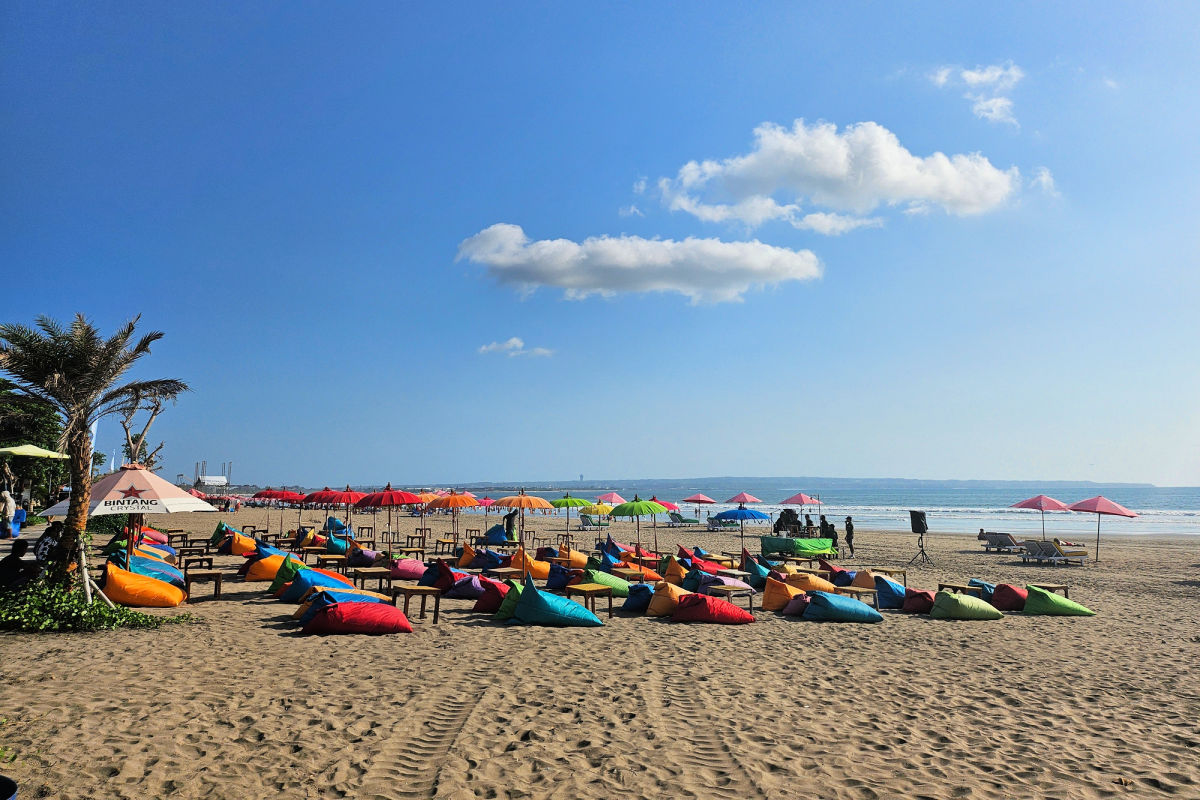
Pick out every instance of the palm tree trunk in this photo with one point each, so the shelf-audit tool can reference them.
(79, 452)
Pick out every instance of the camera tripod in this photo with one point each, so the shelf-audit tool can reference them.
(921, 556)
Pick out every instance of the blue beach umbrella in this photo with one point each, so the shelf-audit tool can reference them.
(741, 514)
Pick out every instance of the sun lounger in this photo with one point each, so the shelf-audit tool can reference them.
(1002, 543)
(1070, 552)
(1052, 553)
(589, 523)
(677, 520)
(723, 524)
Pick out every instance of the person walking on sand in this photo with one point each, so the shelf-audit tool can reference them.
(850, 535)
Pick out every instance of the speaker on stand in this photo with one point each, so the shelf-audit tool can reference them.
(920, 527)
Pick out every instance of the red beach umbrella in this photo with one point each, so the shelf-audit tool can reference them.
(743, 497)
(388, 498)
(698, 499)
(1042, 503)
(1101, 505)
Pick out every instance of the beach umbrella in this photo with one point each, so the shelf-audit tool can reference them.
(1042, 503)
(698, 499)
(29, 451)
(388, 498)
(568, 502)
(597, 509)
(1101, 505)
(454, 502)
(636, 508)
(611, 497)
(486, 502)
(741, 514)
(522, 502)
(667, 504)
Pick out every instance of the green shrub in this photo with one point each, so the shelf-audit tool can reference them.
(43, 608)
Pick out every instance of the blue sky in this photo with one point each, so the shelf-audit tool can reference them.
(722, 235)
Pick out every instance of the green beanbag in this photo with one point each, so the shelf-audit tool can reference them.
(1047, 603)
(952, 605)
(509, 603)
(619, 586)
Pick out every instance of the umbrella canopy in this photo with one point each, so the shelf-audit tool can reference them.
(197, 493)
(667, 504)
(1101, 505)
(134, 490)
(454, 501)
(800, 499)
(1042, 503)
(698, 499)
(486, 501)
(426, 497)
(636, 508)
(743, 497)
(388, 498)
(29, 451)
(742, 514)
(568, 502)
(597, 509)
(266, 494)
(522, 501)
(610, 497)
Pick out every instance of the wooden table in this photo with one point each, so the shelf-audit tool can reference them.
(410, 589)
(730, 592)
(200, 576)
(892, 572)
(562, 561)
(305, 552)
(502, 573)
(724, 561)
(365, 574)
(336, 562)
(961, 588)
(810, 560)
(647, 561)
(1054, 587)
(859, 592)
(820, 573)
(630, 575)
(589, 592)
(736, 574)
(190, 550)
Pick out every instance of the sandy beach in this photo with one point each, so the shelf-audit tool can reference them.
(238, 705)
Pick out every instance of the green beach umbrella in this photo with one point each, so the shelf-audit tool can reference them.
(568, 502)
(636, 508)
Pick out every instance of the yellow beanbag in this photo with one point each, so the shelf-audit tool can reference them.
(467, 557)
(540, 570)
(810, 583)
(776, 595)
(675, 573)
(666, 598)
(864, 579)
(129, 589)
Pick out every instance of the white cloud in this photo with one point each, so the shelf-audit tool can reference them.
(1045, 181)
(988, 88)
(704, 270)
(513, 347)
(856, 169)
(639, 186)
(1111, 84)
(630, 210)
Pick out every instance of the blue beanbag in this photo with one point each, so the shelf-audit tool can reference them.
(611, 548)
(844, 578)
(768, 564)
(540, 608)
(154, 569)
(691, 581)
(430, 577)
(334, 524)
(559, 576)
(826, 607)
(985, 587)
(485, 560)
(639, 598)
(889, 593)
(495, 535)
(607, 562)
(307, 579)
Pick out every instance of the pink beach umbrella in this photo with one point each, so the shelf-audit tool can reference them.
(698, 499)
(743, 497)
(1101, 505)
(667, 504)
(612, 498)
(1042, 503)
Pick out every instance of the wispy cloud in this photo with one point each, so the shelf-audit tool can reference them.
(987, 87)
(515, 346)
(704, 270)
(1043, 180)
(630, 210)
(856, 169)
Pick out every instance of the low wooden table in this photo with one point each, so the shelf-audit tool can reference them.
(364, 574)
(562, 561)
(859, 592)
(647, 561)
(809, 560)
(335, 562)
(502, 573)
(201, 576)
(730, 592)
(417, 553)
(961, 588)
(892, 572)
(444, 545)
(203, 562)
(190, 550)
(736, 574)
(820, 573)
(1054, 587)
(630, 575)
(589, 592)
(724, 561)
(305, 552)
(410, 589)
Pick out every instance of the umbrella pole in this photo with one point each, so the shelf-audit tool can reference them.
(1097, 538)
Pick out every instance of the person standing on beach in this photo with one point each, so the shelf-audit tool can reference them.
(833, 536)
(510, 522)
(850, 535)
(7, 512)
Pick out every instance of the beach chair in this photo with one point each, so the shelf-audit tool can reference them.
(1002, 543)
(589, 523)
(1069, 552)
(676, 520)
(723, 524)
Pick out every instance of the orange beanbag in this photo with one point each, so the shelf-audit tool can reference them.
(776, 595)
(864, 579)
(264, 569)
(467, 556)
(129, 589)
(651, 575)
(241, 545)
(675, 573)
(540, 570)
(666, 598)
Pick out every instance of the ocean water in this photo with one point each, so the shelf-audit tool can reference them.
(958, 509)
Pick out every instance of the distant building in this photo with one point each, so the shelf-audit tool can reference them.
(212, 480)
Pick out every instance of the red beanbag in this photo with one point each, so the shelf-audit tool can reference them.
(834, 569)
(372, 618)
(705, 608)
(447, 577)
(1006, 597)
(917, 601)
(711, 567)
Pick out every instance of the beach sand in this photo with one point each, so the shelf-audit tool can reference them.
(237, 705)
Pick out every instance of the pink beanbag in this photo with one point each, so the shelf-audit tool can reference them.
(408, 569)
(796, 605)
(917, 602)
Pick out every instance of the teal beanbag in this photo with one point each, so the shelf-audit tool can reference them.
(1046, 603)
(540, 608)
(952, 605)
(620, 586)
(828, 607)
(336, 547)
(758, 574)
(984, 587)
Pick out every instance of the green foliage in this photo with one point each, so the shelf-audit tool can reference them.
(107, 525)
(42, 607)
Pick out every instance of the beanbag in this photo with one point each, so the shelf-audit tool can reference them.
(221, 531)
(617, 544)
(826, 607)
(153, 568)
(576, 559)
(240, 545)
(682, 552)
(620, 586)
(447, 577)
(361, 557)
(985, 588)
(605, 564)
(491, 597)
(843, 577)
(864, 579)
(666, 598)
(709, 581)
(408, 569)
(265, 569)
(829, 566)
(495, 535)
(307, 578)
(674, 572)
(810, 583)
(509, 603)
(889, 593)
(130, 589)
(538, 569)
(559, 577)
(776, 595)
(702, 608)
(639, 598)
(540, 608)
(1007, 597)
(711, 567)
(917, 601)
(151, 535)
(468, 555)
(467, 587)
(650, 575)
(758, 573)
(334, 524)
(337, 546)
(368, 618)
(952, 605)
(1043, 602)
(307, 600)
(327, 597)
(691, 581)
(796, 606)
(486, 559)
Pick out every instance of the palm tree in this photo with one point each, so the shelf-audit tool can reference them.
(75, 372)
